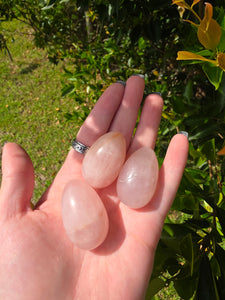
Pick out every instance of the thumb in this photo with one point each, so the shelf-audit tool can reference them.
(17, 181)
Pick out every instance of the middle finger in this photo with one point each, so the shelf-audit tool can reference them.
(126, 116)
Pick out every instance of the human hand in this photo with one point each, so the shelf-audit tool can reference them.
(38, 261)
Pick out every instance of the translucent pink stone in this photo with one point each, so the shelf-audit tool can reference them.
(84, 216)
(103, 161)
(138, 178)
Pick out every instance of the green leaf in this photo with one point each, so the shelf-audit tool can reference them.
(220, 256)
(198, 223)
(68, 90)
(162, 255)
(189, 201)
(209, 150)
(185, 201)
(206, 52)
(221, 17)
(187, 251)
(50, 5)
(173, 266)
(205, 132)
(221, 286)
(173, 234)
(141, 43)
(70, 117)
(221, 96)
(221, 45)
(185, 287)
(178, 104)
(154, 287)
(221, 216)
(213, 73)
(81, 74)
(83, 4)
(188, 92)
(190, 180)
(206, 288)
(215, 266)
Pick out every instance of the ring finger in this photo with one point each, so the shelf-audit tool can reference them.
(146, 133)
(126, 116)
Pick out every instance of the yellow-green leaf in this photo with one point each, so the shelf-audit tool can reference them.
(222, 151)
(181, 3)
(208, 11)
(209, 31)
(221, 61)
(186, 55)
(191, 23)
(194, 2)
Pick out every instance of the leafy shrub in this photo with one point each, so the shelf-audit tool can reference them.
(211, 35)
(191, 252)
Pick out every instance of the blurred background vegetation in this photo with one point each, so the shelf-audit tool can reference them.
(59, 56)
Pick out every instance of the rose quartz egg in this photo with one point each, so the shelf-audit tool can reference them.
(84, 216)
(104, 159)
(137, 181)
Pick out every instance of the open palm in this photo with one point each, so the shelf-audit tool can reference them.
(38, 261)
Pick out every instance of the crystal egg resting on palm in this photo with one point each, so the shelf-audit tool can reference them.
(138, 178)
(103, 161)
(84, 216)
(83, 213)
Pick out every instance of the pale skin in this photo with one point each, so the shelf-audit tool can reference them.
(38, 261)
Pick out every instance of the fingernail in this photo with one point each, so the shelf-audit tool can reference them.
(140, 75)
(121, 82)
(156, 93)
(5, 143)
(184, 133)
(3, 146)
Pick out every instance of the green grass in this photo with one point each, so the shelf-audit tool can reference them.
(31, 107)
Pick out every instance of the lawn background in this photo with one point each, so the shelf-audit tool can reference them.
(31, 107)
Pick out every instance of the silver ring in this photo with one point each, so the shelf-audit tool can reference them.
(81, 148)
